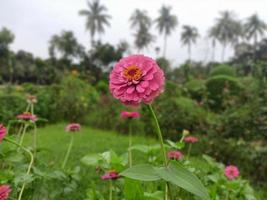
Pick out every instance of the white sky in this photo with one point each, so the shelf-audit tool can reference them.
(35, 21)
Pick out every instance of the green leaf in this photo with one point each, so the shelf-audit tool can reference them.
(90, 160)
(178, 175)
(158, 195)
(146, 148)
(171, 143)
(142, 172)
(133, 190)
(23, 178)
(180, 145)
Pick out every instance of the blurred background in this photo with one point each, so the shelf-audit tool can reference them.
(213, 53)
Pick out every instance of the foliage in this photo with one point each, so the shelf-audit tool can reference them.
(75, 98)
(196, 88)
(223, 70)
(11, 105)
(220, 87)
(191, 116)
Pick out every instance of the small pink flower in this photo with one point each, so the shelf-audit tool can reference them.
(129, 115)
(4, 192)
(2, 133)
(110, 175)
(32, 99)
(191, 139)
(27, 116)
(74, 127)
(231, 172)
(135, 79)
(175, 155)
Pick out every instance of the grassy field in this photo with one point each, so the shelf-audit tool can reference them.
(53, 142)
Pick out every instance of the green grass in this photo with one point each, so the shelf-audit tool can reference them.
(53, 142)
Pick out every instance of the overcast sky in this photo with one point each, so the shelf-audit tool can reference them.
(35, 21)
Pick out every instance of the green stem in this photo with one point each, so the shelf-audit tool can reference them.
(23, 134)
(30, 164)
(32, 108)
(130, 145)
(20, 131)
(34, 140)
(28, 107)
(110, 190)
(68, 152)
(162, 149)
(227, 195)
(159, 134)
(189, 151)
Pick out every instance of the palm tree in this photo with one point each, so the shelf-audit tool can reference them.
(142, 22)
(213, 34)
(140, 18)
(143, 38)
(96, 18)
(189, 36)
(228, 30)
(66, 44)
(255, 28)
(166, 23)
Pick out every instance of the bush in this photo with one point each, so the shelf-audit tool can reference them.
(47, 106)
(221, 86)
(76, 98)
(223, 70)
(180, 113)
(196, 89)
(11, 105)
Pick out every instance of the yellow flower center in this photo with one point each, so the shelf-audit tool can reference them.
(132, 73)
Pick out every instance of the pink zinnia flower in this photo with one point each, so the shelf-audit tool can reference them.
(2, 133)
(135, 79)
(74, 127)
(129, 115)
(4, 192)
(231, 172)
(110, 175)
(27, 116)
(191, 139)
(175, 155)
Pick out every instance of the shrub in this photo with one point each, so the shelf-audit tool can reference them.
(180, 113)
(47, 106)
(76, 98)
(11, 105)
(218, 87)
(223, 70)
(196, 89)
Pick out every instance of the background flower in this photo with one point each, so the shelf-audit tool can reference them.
(110, 175)
(4, 192)
(191, 139)
(73, 127)
(175, 155)
(129, 115)
(2, 133)
(231, 172)
(27, 116)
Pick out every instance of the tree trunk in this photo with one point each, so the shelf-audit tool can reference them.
(165, 45)
(223, 51)
(189, 53)
(255, 47)
(213, 51)
(92, 41)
